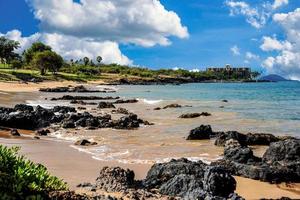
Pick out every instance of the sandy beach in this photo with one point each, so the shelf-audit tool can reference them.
(76, 166)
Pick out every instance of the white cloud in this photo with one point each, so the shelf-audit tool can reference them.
(143, 22)
(287, 61)
(255, 16)
(235, 50)
(271, 44)
(251, 56)
(279, 3)
(25, 42)
(72, 47)
(97, 27)
(194, 70)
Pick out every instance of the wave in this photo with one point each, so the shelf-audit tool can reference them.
(151, 102)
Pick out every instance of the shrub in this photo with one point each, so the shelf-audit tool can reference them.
(22, 179)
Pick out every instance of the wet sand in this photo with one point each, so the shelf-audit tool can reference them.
(76, 167)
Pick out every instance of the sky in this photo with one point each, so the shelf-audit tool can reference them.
(189, 34)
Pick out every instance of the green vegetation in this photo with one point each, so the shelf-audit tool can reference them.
(22, 179)
(47, 60)
(40, 57)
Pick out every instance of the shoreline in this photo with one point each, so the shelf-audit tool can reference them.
(76, 162)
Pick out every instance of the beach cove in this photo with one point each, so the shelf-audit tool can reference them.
(140, 148)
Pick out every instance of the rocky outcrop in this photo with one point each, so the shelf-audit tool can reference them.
(130, 121)
(78, 89)
(80, 102)
(284, 151)
(126, 101)
(115, 179)
(85, 142)
(177, 179)
(43, 132)
(83, 98)
(280, 163)
(103, 105)
(173, 105)
(120, 111)
(15, 132)
(202, 132)
(26, 117)
(194, 115)
(190, 180)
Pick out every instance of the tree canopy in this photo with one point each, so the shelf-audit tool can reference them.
(35, 48)
(47, 60)
(7, 48)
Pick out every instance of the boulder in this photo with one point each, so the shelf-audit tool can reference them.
(235, 152)
(218, 181)
(43, 132)
(23, 108)
(200, 133)
(85, 142)
(261, 139)
(64, 109)
(283, 151)
(127, 122)
(194, 115)
(222, 137)
(126, 101)
(15, 132)
(68, 124)
(121, 111)
(173, 105)
(115, 179)
(162, 172)
(103, 105)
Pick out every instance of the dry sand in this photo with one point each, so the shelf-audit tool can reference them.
(14, 86)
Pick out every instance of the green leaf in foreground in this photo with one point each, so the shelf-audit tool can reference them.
(23, 179)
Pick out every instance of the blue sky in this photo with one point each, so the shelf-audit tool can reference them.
(212, 33)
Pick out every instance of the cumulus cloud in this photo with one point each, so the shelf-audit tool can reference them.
(235, 50)
(71, 47)
(279, 3)
(143, 22)
(97, 27)
(287, 61)
(25, 42)
(271, 44)
(251, 56)
(255, 16)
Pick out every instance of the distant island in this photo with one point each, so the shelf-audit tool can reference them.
(273, 78)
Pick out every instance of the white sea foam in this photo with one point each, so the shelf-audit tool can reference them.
(151, 102)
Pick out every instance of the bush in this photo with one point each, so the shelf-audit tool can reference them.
(22, 179)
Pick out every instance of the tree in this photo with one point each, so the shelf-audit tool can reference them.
(99, 59)
(7, 48)
(47, 60)
(86, 61)
(35, 48)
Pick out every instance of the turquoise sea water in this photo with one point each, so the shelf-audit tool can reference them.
(261, 101)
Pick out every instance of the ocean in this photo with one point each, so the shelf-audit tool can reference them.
(250, 107)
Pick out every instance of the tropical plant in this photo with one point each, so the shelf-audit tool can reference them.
(47, 60)
(22, 179)
(35, 48)
(86, 61)
(99, 59)
(7, 48)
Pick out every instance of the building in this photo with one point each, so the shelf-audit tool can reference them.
(239, 72)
